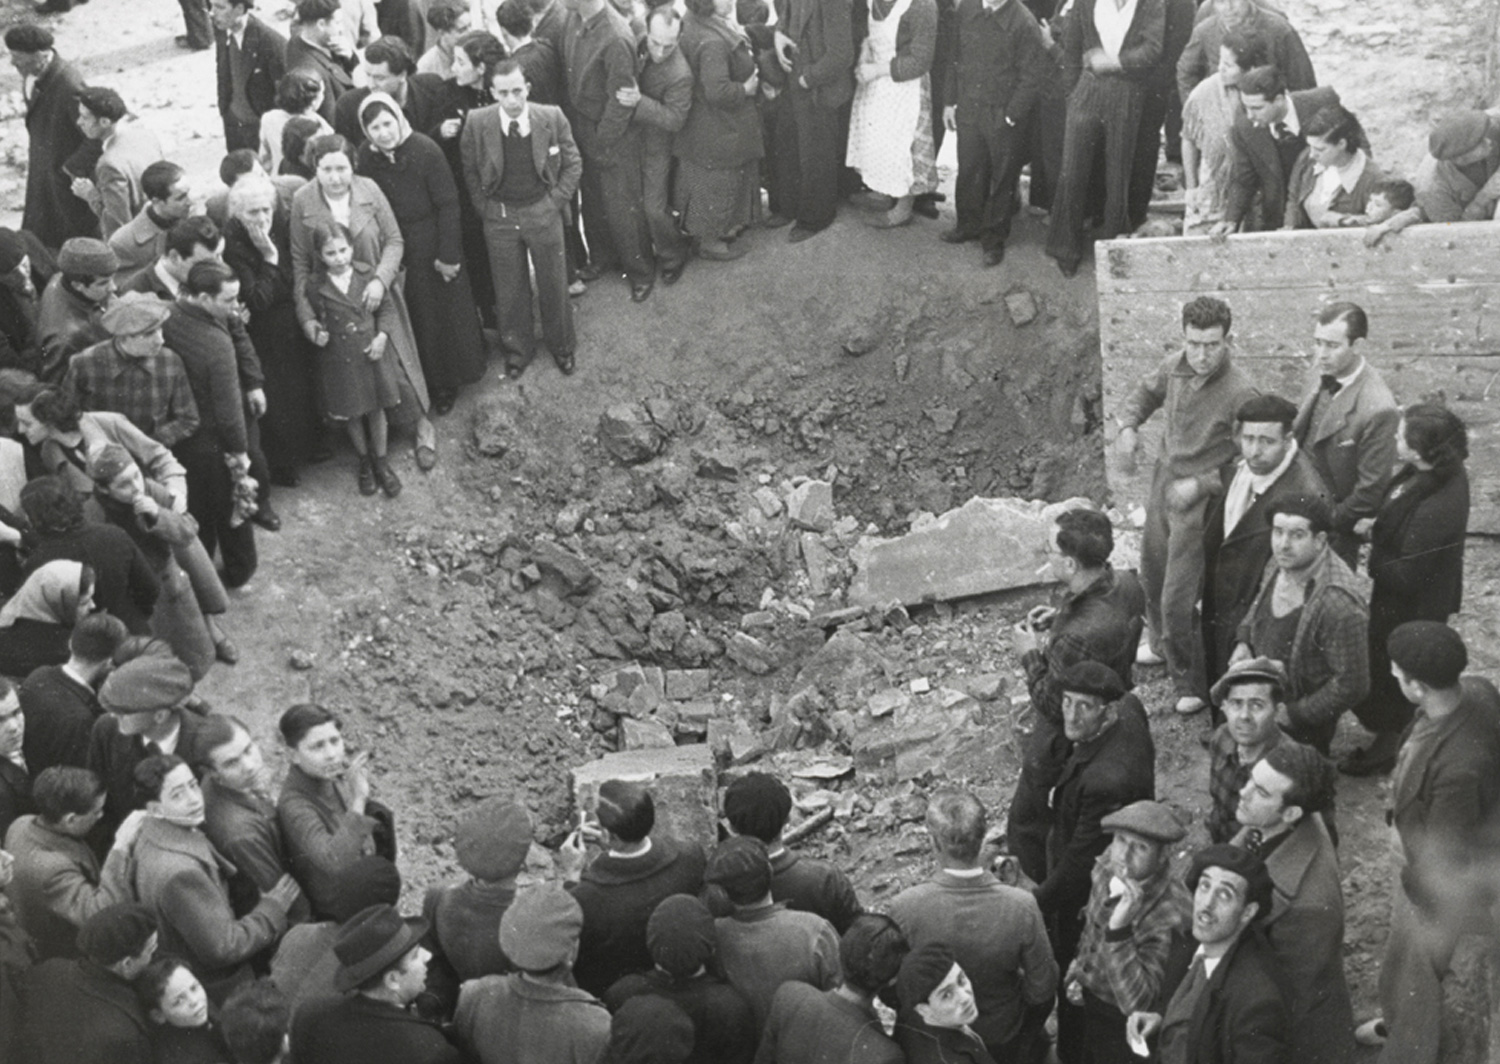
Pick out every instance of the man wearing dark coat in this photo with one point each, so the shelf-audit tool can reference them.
(60, 701)
(393, 71)
(312, 48)
(26, 268)
(660, 108)
(251, 58)
(70, 312)
(50, 85)
(1236, 534)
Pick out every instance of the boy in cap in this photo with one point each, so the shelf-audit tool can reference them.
(536, 1015)
(383, 963)
(1221, 999)
(1135, 910)
(758, 804)
(680, 936)
(1251, 695)
(84, 1010)
(68, 313)
(1445, 794)
(937, 1008)
(809, 1026)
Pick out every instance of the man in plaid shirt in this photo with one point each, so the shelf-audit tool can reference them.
(1311, 615)
(1135, 908)
(132, 373)
(1251, 695)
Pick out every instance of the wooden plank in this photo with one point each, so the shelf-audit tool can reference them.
(1433, 297)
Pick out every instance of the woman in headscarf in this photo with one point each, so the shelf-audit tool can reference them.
(719, 148)
(37, 622)
(338, 195)
(418, 183)
(142, 508)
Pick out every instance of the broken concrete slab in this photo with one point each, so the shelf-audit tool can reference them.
(810, 505)
(648, 734)
(884, 703)
(751, 654)
(819, 562)
(846, 671)
(768, 501)
(921, 736)
(734, 741)
(683, 785)
(985, 545)
(633, 690)
(687, 684)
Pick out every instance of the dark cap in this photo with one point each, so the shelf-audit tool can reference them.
(1249, 670)
(1456, 134)
(680, 935)
(145, 685)
(1150, 820)
(116, 932)
(541, 927)
(1242, 863)
(1092, 678)
(12, 249)
(361, 884)
(1429, 651)
(923, 971)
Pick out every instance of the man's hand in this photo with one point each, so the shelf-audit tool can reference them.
(628, 95)
(1140, 1026)
(1241, 652)
(357, 779)
(129, 828)
(1362, 527)
(1376, 233)
(950, 116)
(83, 188)
(1183, 493)
(1023, 640)
(572, 856)
(286, 891)
(1075, 992)
(374, 293)
(1129, 904)
(9, 536)
(315, 333)
(752, 83)
(255, 399)
(448, 271)
(785, 47)
(1220, 232)
(449, 129)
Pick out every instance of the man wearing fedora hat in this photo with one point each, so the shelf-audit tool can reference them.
(68, 312)
(135, 374)
(1135, 909)
(383, 963)
(536, 1015)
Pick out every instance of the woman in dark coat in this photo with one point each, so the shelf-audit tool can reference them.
(415, 176)
(37, 622)
(258, 247)
(719, 148)
(1416, 563)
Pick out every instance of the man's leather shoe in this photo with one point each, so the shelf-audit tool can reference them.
(267, 518)
(513, 370)
(925, 207)
(590, 273)
(957, 236)
(994, 256)
(800, 232)
(670, 274)
(565, 364)
(639, 293)
(443, 401)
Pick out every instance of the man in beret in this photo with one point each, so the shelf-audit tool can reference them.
(84, 1010)
(50, 87)
(1221, 999)
(758, 804)
(1458, 180)
(1111, 763)
(1251, 695)
(382, 970)
(69, 315)
(1136, 908)
(1098, 618)
(1280, 813)
(145, 713)
(491, 844)
(995, 931)
(536, 1015)
(1311, 615)
(134, 374)
(682, 941)
(1445, 794)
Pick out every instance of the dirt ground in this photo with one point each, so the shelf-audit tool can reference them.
(886, 362)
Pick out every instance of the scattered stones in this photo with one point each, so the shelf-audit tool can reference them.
(684, 685)
(627, 431)
(496, 427)
(683, 787)
(650, 734)
(633, 690)
(920, 686)
(569, 569)
(569, 518)
(768, 501)
(825, 768)
(1021, 306)
(884, 703)
(751, 654)
(758, 619)
(985, 688)
(819, 562)
(810, 505)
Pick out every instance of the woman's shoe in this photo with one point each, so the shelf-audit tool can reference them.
(390, 483)
(897, 216)
(367, 484)
(720, 251)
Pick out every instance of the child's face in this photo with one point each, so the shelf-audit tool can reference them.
(1378, 208)
(183, 1001)
(337, 254)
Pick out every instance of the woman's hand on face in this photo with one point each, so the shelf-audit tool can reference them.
(374, 293)
(448, 271)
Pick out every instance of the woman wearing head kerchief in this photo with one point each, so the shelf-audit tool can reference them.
(1416, 563)
(937, 1006)
(649, 1030)
(680, 936)
(36, 623)
(417, 181)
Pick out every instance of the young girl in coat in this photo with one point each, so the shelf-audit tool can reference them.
(359, 383)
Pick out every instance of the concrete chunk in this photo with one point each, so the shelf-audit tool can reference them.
(985, 545)
(649, 734)
(810, 505)
(683, 786)
(633, 690)
(751, 654)
(686, 684)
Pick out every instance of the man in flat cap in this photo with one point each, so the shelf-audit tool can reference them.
(1251, 696)
(135, 374)
(1281, 819)
(1111, 763)
(84, 1010)
(758, 804)
(1445, 794)
(1458, 180)
(1098, 618)
(491, 844)
(1221, 999)
(145, 713)
(1136, 907)
(535, 1015)
(70, 312)
(1311, 615)
(382, 970)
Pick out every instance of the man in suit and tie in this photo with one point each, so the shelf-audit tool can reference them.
(1264, 143)
(50, 86)
(251, 58)
(522, 168)
(126, 148)
(1347, 424)
(1236, 534)
(320, 46)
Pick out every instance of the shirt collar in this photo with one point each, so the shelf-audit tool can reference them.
(964, 873)
(1289, 120)
(1344, 382)
(1209, 963)
(524, 120)
(642, 852)
(172, 284)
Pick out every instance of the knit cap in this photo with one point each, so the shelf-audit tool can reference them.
(86, 256)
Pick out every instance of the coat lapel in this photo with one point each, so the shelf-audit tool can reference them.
(1336, 412)
(539, 143)
(1289, 862)
(1416, 768)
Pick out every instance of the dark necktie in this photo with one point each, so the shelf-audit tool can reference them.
(1253, 840)
(515, 129)
(1279, 131)
(1331, 384)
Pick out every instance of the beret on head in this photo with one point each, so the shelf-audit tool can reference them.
(85, 256)
(923, 971)
(1429, 651)
(1457, 133)
(758, 804)
(680, 935)
(650, 1030)
(145, 685)
(541, 927)
(367, 882)
(1092, 678)
(1150, 820)
(116, 932)
(1242, 863)
(492, 839)
(134, 313)
(12, 249)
